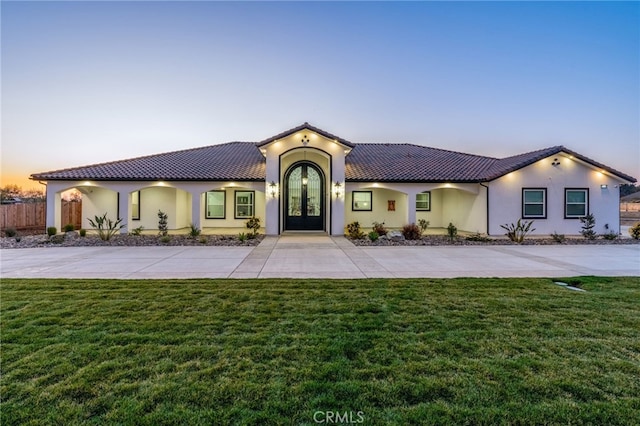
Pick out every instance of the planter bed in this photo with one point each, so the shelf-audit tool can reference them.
(441, 240)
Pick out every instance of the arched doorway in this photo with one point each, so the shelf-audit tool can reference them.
(304, 207)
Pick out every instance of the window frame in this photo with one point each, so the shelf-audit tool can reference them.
(544, 204)
(224, 204)
(252, 204)
(133, 217)
(353, 201)
(586, 203)
(428, 209)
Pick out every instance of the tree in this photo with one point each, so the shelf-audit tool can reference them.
(9, 193)
(626, 189)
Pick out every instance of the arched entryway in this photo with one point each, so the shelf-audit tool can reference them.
(304, 204)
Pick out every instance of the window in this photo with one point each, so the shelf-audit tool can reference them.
(576, 203)
(215, 205)
(423, 201)
(534, 203)
(361, 201)
(135, 205)
(244, 204)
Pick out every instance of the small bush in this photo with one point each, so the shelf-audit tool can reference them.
(478, 237)
(634, 231)
(194, 231)
(10, 232)
(203, 240)
(423, 224)
(379, 228)
(518, 231)
(137, 231)
(588, 222)
(373, 236)
(52, 230)
(253, 225)
(162, 224)
(610, 235)
(452, 231)
(411, 232)
(354, 231)
(18, 239)
(558, 238)
(69, 227)
(83, 232)
(165, 238)
(242, 237)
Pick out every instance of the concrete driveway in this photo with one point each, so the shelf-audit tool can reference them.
(302, 256)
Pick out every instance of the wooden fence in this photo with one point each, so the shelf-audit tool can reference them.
(630, 207)
(32, 216)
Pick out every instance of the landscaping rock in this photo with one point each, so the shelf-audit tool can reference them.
(395, 236)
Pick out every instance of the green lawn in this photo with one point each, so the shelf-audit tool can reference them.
(416, 351)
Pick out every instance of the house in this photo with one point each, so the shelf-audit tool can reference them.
(306, 179)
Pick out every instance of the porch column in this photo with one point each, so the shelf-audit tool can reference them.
(54, 207)
(411, 208)
(123, 210)
(272, 202)
(196, 203)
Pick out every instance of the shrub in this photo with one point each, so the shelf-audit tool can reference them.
(137, 231)
(634, 231)
(379, 229)
(106, 228)
(253, 225)
(354, 231)
(10, 232)
(194, 231)
(242, 237)
(165, 238)
(203, 240)
(52, 230)
(517, 232)
(69, 227)
(610, 235)
(18, 239)
(83, 232)
(162, 223)
(558, 238)
(411, 232)
(478, 237)
(424, 224)
(373, 236)
(588, 222)
(452, 231)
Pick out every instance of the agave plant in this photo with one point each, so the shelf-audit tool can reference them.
(517, 232)
(106, 228)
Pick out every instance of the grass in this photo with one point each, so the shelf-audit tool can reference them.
(464, 351)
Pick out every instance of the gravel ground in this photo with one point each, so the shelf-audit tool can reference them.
(441, 240)
(72, 239)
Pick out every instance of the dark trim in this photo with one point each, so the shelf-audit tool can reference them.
(586, 202)
(235, 204)
(353, 209)
(224, 204)
(523, 215)
(323, 192)
(139, 207)
(416, 206)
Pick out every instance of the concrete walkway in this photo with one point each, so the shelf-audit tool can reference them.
(301, 256)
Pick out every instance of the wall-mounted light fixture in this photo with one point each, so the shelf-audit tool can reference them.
(272, 189)
(555, 162)
(337, 189)
(603, 186)
(305, 180)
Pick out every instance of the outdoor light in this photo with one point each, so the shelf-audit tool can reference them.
(555, 162)
(305, 180)
(273, 189)
(603, 186)
(337, 189)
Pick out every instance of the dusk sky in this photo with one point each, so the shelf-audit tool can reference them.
(89, 82)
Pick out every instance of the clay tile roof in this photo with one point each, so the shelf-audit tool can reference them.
(240, 161)
(406, 162)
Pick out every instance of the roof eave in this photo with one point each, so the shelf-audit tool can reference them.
(306, 126)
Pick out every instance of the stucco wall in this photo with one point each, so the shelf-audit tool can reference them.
(379, 212)
(505, 196)
(467, 211)
(229, 221)
(97, 201)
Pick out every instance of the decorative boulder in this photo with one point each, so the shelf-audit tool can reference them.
(395, 236)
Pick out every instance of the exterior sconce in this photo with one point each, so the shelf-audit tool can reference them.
(273, 189)
(305, 181)
(603, 186)
(337, 189)
(555, 162)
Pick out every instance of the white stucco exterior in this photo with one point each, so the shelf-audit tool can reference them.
(472, 206)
